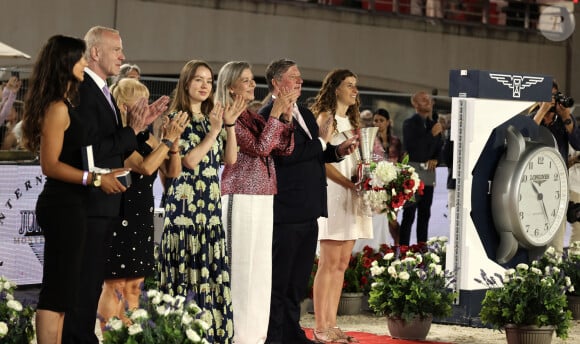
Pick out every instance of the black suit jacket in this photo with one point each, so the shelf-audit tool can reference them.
(111, 142)
(301, 176)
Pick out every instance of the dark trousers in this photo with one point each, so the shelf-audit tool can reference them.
(293, 251)
(423, 208)
(79, 324)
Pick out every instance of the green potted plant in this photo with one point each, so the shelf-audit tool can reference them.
(528, 298)
(570, 264)
(15, 318)
(410, 287)
(161, 318)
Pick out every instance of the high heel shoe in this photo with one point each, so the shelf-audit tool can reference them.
(326, 336)
(343, 336)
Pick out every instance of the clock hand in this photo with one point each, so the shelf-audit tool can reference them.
(541, 199)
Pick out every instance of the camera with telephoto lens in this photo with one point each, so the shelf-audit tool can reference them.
(560, 98)
(573, 213)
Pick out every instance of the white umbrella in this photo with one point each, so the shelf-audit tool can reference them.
(8, 51)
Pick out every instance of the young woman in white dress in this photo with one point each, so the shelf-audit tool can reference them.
(338, 98)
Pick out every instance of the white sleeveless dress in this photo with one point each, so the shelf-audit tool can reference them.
(345, 221)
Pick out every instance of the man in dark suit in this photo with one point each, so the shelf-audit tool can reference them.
(301, 199)
(422, 141)
(111, 143)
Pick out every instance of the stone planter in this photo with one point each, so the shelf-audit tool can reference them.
(529, 334)
(350, 303)
(415, 329)
(574, 306)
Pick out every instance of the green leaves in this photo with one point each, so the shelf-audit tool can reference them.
(528, 295)
(411, 284)
(15, 318)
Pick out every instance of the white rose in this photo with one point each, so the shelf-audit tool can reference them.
(409, 260)
(15, 305)
(419, 258)
(392, 271)
(536, 271)
(7, 285)
(139, 314)
(3, 329)
(404, 275)
(156, 300)
(186, 319)
(377, 270)
(522, 266)
(192, 335)
(389, 256)
(151, 293)
(135, 329)
(115, 324)
(204, 326)
(162, 310)
(168, 299)
(435, 257)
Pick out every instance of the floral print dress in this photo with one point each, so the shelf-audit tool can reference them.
(193, 259)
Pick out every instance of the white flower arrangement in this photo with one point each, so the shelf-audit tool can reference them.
(162, 318)
(15, 318)
(389, 187)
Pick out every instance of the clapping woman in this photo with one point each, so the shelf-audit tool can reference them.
(193, 256)
(131, 258)
(248, 189)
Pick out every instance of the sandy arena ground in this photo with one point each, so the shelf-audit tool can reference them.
(443, 333)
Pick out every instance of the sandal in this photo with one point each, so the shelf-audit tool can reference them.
(343, 336)
(327, 336)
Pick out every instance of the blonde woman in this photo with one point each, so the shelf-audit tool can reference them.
(131, 258)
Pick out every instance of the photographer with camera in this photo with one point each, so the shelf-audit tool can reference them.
(557, 117)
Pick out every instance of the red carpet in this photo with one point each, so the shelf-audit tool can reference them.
(369, 338)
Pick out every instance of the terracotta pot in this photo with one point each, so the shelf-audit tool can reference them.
(574, 306)
(350, 303)
(415, 329)
(529, 334)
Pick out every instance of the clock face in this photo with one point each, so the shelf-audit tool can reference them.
(542, 196)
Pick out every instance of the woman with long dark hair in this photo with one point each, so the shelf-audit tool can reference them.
(193, 245)
(337, 99)
(53, 127)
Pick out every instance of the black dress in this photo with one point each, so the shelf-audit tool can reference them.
(132, 244)
(61, 212)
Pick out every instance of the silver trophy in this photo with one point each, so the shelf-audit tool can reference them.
(367, 141)
(366, 138)
(364, 157)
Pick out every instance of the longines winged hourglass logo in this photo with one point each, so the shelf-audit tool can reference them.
(516, 82)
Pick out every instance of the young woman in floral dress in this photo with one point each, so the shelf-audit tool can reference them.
(193, 257)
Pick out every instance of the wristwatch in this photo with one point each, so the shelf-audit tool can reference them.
(568, 121)
(167, 142)
(96, 180)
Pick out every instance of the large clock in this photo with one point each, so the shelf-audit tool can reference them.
(529, 193)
